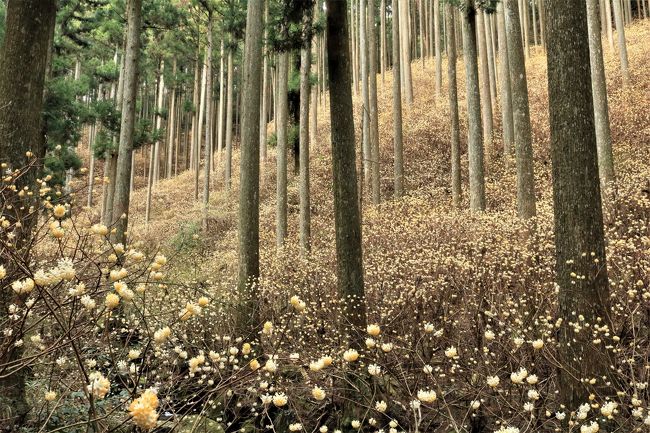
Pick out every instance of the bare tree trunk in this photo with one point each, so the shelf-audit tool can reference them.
(382, 36)
(599, 89)
(438, 48)
(265, 92)
(610, 31)
(577, 205)
(505, 85)
(194, 127)
(405, 52)
(222, 97)
(281, 151)
(397, 105)
(249, 191)
(208, 123)
(346, 210)
(159, 108)
(526, 207)
(305, 66)
(622, 48)
(475, 139)
(453, 107)
(171, 125)
(228, 163)
(365, 118)
(486, 99)
(490, 62)
(372, 92)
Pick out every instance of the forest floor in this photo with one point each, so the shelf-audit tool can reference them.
(413, 230)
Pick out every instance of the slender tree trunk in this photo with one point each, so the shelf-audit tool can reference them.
(346, 210)
(485, 94)
(91, 171)
(505, 85)
(171, 125)
(475, 139)
(281, 152)
(622, 48)
(407, 83)
(159, 120)
(23, 67)
(222, 96)
(397, 106)
(453, 106)
(382, 36)
(372, 92)
(599, 89)
(526, 207)
(438, 47)
(265, 92)
(579, 237)
(229, 108)
(195, 106)
(610, 30)
(490, 62)
(365, 115)
(305, 66)
(208, 123)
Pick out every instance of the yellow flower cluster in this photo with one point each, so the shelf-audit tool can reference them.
(143, 410)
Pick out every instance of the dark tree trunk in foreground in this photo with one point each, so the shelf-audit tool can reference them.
(579, 238)
(125, 153)
(249, 190)
(23, 65)
(346, 204)
(453, 106)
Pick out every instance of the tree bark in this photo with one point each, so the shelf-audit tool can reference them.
(599, 89)
(228, 163)
(208, 124)
(505, 85)
(453, 107)
(485, 93)
(579, 237)
(438, 47)
(23, 66)
(365, 115)
(281, 151)
(372, 94)
(475, 139)
(622, 48)
(398, 168)
(265, 93)
(405, 56)
(249, 191)
(305, 66)
(526, 207)
(346, 205)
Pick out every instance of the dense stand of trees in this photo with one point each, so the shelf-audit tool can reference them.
(162, 94)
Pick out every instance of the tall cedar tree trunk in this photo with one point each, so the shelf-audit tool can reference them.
(622, 48)
(159, 122)
(505, 85)
(453, 106)
(365, 115)
(398, 151)
(129, 97)
(579, 237)
(249, 191)
(171, 136)
(475, 130)
(599, 88)
(264, 115)
(526, 207)
(281, 151)
(372, 92)
(208, 124)
(485, 93)
(346, 204)
(490, 60)
(404, 44)
(228, 163)
(222, 97)
(305, 67)
(28, 26)
(438, 45)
